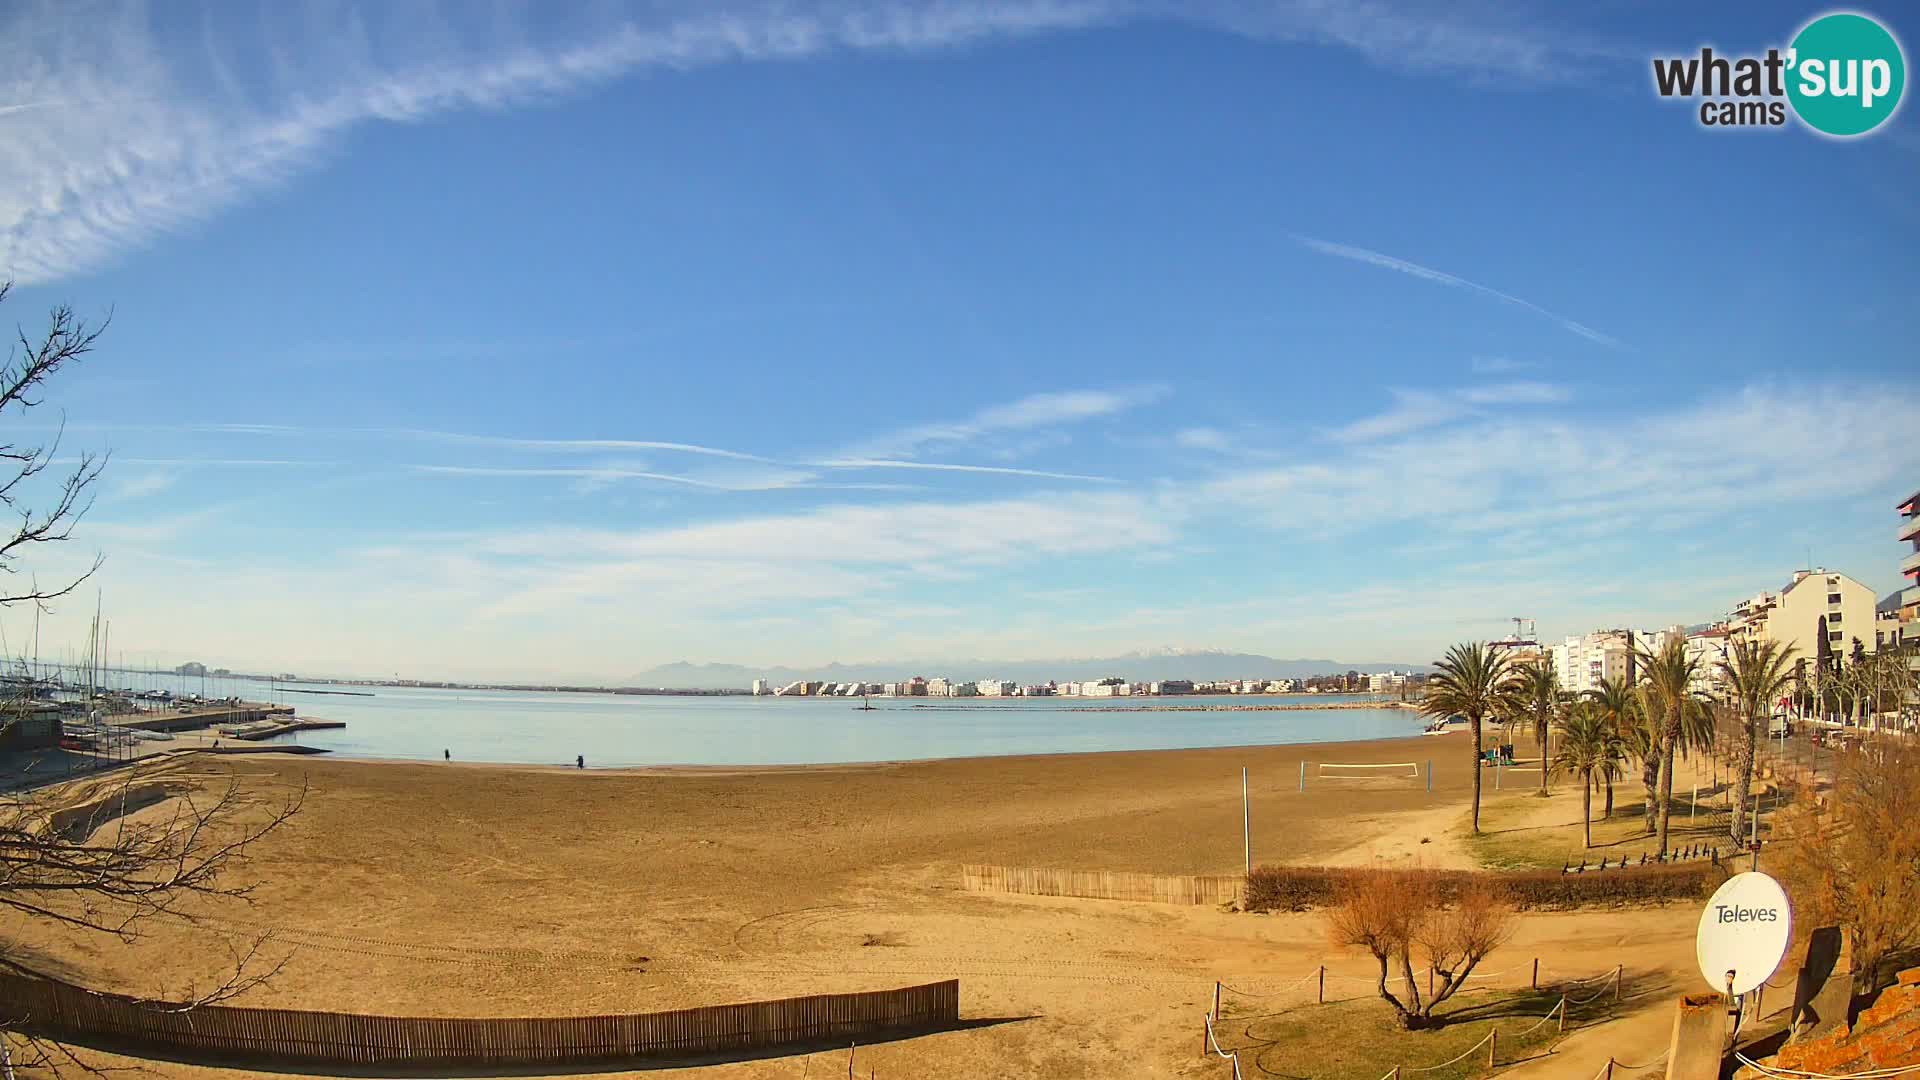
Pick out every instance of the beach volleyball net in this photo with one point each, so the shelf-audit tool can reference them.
(1398, 770)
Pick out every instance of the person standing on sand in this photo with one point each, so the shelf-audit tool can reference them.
(448, 754)
(580, 761)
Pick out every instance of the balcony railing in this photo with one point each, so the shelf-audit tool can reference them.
(1910, 528)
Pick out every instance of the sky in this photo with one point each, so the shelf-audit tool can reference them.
(528, 341)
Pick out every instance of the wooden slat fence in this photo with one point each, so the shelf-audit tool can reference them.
(1103, 884)
(61, 1010)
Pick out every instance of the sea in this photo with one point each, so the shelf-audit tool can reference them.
(627, 730)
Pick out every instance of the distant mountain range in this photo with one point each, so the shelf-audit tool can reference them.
(1201, 665)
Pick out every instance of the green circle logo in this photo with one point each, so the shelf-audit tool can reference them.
(1845, 74)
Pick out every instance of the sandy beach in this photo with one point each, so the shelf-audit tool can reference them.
(435, 889)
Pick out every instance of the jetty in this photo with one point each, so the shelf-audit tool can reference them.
(272, 726)
(244, 712)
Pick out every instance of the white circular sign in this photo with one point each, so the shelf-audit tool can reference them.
(1744, 932)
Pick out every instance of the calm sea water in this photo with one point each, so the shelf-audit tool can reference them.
(626, 730)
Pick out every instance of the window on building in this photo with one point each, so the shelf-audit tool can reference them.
(1833, 635)
(1833, 598)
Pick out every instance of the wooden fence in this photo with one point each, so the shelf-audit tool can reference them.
(226, 1033)
(1103, 884)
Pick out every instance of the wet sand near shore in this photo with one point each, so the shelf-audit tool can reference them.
(435, 889)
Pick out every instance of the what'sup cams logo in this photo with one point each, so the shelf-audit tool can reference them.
(1842, 76)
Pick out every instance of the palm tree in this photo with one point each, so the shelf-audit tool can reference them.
(1589, 749)
(1669, 682)
(1474, 681)
(1640, 736)
(1754, 676)
(1615, 700)
(1537, 699)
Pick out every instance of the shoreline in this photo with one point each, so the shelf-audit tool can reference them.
(776, 768)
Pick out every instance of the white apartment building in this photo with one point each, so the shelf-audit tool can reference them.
(1793, 615)
(938, 686)
(1586, 662)
(1110, 687)
(759, 687)
(1386, 681)
(995, 688)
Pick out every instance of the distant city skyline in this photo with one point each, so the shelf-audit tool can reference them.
(565, 346)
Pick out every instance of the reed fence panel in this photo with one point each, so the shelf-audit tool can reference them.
(61, 1010)
(1103, 884)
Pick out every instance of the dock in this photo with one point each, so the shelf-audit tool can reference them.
(270, 727)
(212, 716)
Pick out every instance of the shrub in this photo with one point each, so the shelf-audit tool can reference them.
(1298, 888)
(1400, 916)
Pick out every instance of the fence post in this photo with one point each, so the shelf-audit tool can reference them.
(1608, 1075)
(1563, 1014)
(1429, 982)
(1323, 985)
(1303, 776)
(1216, 1001)
(1535, 984)
(850, 1047)
(1618, 970)
(1493, 1046)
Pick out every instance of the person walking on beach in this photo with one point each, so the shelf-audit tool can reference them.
(448, 754)
(580, 761)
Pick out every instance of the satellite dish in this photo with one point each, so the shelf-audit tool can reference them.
(1744, 932)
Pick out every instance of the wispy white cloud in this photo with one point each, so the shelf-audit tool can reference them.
(1499, 365)
(1504, 475)
(142, 142)
(144, 484)
(1202, 438)
(114, 136)
(1022, 414)
(938, 466)
(1426, 273)
(1413, 410)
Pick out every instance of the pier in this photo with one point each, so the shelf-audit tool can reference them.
(212, 716)
(272, 726)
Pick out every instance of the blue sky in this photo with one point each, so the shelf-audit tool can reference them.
(490, 342)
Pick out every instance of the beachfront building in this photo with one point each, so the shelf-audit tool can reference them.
(1795, 616)
(1910, 569)
(1707, 647)
(1108, 687)
(995, 688)
(759, 687)
(938, 686)
(1386, 682)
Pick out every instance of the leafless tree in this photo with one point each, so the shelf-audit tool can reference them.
(1402, 915)
(112, 854)
(1854, 859)
(31, 361)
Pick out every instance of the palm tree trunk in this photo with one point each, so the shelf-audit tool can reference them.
(1476, 774)
(1666, 784)
(1608, 814)
(1743, 789)
(1586, 808)
(1650, 776)
(1541, 733)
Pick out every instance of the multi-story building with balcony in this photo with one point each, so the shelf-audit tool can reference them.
(1910, 569)
(1795, 616)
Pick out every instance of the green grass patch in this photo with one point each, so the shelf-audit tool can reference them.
(1512, 838)
(1361, 1038)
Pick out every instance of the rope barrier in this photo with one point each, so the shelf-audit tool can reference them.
(1557, 1007)
(1796, 1074)
(1214, 1043)
(1452, 1061)
(1602, 992)
(1287, 989)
